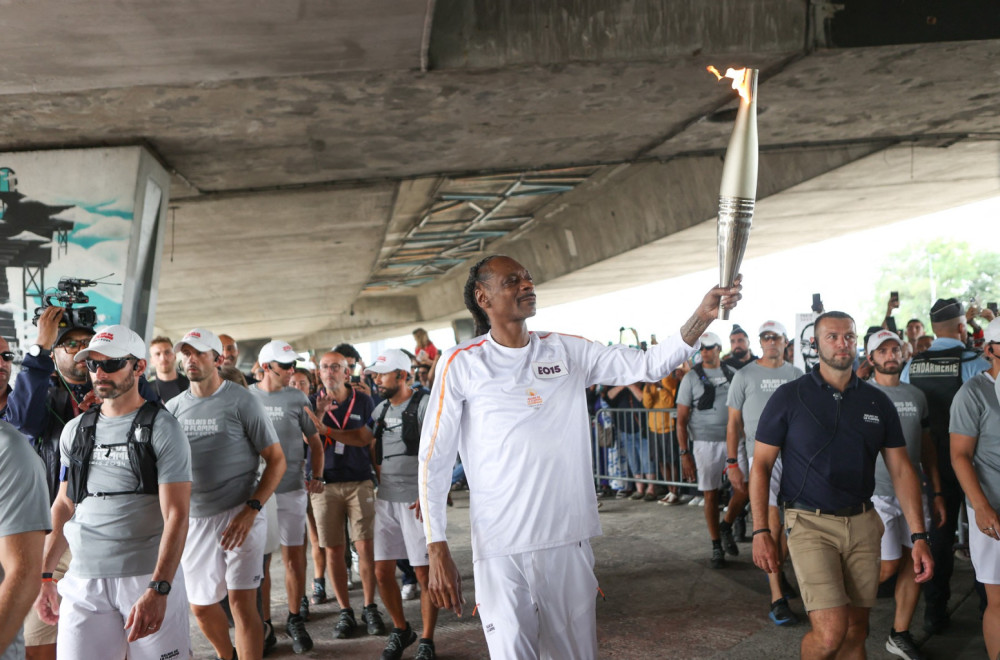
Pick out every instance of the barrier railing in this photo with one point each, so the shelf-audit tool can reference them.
(636, 445)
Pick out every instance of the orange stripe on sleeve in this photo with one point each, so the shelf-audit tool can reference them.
(437, 422)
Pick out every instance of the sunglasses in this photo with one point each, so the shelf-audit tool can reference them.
(769, 338)
(73, 344)
(8, 356)
(285, 365)
(109, 366)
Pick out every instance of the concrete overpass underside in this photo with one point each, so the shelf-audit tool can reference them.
(336, 165)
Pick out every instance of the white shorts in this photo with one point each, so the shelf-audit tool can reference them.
(214, 571)
(897, 530)
(92, 618)
(775, 485)
(984, 550)
(710, 459)
(292, 517)
(273, 541)
(539, 604)
(398, 533)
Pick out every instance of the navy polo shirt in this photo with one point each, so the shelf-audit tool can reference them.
(355, 463)
(829, 440)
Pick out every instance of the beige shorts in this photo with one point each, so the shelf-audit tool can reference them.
(348, 500)
(836, 558)
(37, 633)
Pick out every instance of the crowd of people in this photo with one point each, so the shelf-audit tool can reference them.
(942, 389)
(129, 502)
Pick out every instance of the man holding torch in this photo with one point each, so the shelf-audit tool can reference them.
(513, 403)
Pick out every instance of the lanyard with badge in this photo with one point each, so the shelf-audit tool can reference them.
(339, 446)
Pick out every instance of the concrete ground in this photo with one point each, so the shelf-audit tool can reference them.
(662, 600)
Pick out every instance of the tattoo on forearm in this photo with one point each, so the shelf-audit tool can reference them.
(693, 329)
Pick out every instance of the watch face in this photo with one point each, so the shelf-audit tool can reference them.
(161, 587)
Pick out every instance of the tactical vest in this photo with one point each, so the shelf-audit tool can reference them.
(141, 456)
(707, 399)
(938, 374)
(411, 427)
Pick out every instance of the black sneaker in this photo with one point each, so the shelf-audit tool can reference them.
(270, 641)
(781, 614)
(371, 616)
(304, 608)
(728, 542)
(718, 557)
(399, 639)
(902, 644)
(740, 528)
(319, 593)
(425, 650)
(346, 624)
(296, 627)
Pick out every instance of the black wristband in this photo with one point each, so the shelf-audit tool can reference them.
(762, 530)
(46, 576)
(920, 536)
(731, 461)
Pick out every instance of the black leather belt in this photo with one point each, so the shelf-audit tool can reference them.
(844, 512)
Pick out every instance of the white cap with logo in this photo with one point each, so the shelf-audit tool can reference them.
(710, 339)
(391, 360)
(880, 338)
(115, 341)
(773, 326)
(277, 351)
(201, 340)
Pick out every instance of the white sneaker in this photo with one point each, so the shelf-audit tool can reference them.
(410, 591)
(697, 501)
(670, 498)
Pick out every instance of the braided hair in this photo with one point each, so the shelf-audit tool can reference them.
(478, 315)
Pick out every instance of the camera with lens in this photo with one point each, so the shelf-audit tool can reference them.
(70, 293)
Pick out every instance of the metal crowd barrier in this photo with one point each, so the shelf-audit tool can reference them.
(624, 446)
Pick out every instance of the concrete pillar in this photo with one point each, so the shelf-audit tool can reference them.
(93, 214)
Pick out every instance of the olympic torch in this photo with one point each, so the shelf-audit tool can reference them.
(738, 192)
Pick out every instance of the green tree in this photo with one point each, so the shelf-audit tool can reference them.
(923, 271)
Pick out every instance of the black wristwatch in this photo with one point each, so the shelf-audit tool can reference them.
(920, 536)
(684, 452)
(162, 587)
(254, 504)
(731, 461)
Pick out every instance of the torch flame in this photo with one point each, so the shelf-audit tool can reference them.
(741, 80)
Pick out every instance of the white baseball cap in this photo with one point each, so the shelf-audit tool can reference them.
(710, 339)
(773, 326)
(115, 341)
(389, 361)
(201, 340)
(277, 351)
(992, 332)
(880, 338)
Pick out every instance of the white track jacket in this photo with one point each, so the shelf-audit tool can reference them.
(519, 418)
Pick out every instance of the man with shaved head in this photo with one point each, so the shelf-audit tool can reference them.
(349, 493)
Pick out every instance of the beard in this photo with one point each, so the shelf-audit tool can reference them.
(388, 392)
(895, 368)
(738, 353)
(107, 389)
(839, 363)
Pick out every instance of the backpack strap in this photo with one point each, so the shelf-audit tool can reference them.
(379, 430)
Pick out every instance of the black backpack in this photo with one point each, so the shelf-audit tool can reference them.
(707, 400)
(141, 457)
(411, 427)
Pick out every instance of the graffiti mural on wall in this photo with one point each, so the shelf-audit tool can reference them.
(61, 216)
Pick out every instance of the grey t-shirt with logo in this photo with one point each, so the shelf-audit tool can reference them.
(398, 480)
(750, 391)
(119, 535)
(24, 501)
(911, 404)
(286, 409)
(705, 425)
(975, 412)
(227, 431)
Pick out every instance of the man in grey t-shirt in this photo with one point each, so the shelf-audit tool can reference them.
(702, 417)
(286, 407)
(975, 454)
(122, 507)
(749, 392)
(229, 432)
(885, 353)
(24, 520)
(398, 531)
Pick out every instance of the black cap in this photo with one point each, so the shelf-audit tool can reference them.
(945, 310)
(66, 329)
(737, 330)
